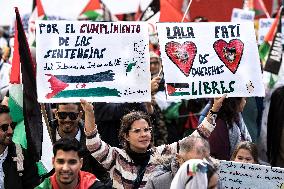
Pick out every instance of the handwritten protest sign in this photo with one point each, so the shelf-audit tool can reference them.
(264, 26)
(239, 15)
(235, 175)
(210, 59)
(97, 61)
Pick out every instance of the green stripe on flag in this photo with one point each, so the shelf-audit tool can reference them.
(179, 94)
(92, 92)
(19, 136)
(16, 112)
(41, 169)
(92, 15)
(272, 80)
(46, 184)
(264, 50)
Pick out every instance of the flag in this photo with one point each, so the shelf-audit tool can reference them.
(31, 109)
(37, 14)
(178, 89)
(274, 58)
(177, 4)
(92, 11)
(170, 12)
(264, 48)
(258, 7)
(15, 102)
(60, 83)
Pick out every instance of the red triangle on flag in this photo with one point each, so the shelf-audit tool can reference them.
(15, 70)
(56, 86)
(40, 11)
(92, 5)
(170, 89)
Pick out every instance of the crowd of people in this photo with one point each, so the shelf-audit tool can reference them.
(158, 144)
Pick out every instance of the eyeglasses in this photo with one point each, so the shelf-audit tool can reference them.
(139, 130)
(5, 127)
(71, 115)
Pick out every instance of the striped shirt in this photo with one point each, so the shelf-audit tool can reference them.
(121, 167)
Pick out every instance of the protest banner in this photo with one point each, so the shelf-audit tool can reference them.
(263, 28)
(97, 61)
(240, 15)
(236, 175)
(210, 59)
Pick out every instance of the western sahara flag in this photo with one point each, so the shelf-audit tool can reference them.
(37, 14)
(257, 6)
(274, 59)
(92, 11)
(166, 11)
(178, 89)
(64, 86)
(31, 108)
(264, 48)
(15, 102)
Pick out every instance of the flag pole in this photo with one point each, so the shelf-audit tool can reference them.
(187, 9)
(43, 110)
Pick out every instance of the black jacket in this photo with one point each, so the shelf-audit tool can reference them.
(12, 179)
(275, 124)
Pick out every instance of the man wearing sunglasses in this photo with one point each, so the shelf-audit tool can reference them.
(69, 124)
(17, 169)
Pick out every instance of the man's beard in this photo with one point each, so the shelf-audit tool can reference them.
(6, 141)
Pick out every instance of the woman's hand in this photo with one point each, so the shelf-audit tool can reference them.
(87, 107)
(155, 84)
(218, 103)
(90, 125)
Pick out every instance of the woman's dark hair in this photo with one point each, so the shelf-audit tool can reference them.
(126, 123)
(68, 144)
(251, 147)
(229, 110)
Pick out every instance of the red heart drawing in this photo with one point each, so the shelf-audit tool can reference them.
(182, 55)
(229, 53)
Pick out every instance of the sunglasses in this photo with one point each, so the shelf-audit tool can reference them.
(71, 115)
(139, 130)
(5, 127)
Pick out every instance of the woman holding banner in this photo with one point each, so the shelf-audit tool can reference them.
(131, 166)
